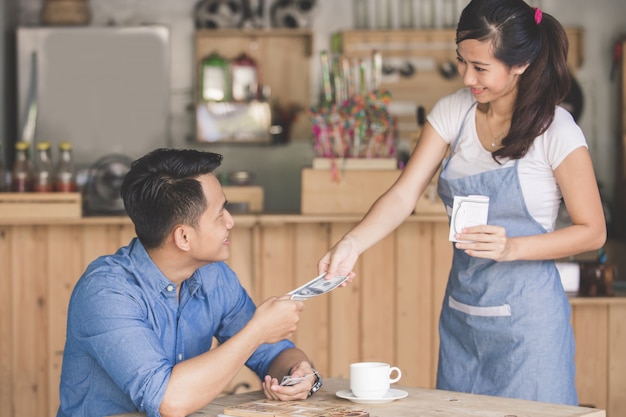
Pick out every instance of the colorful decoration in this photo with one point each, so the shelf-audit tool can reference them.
(353, 119)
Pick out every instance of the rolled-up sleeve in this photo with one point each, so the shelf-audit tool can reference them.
(114, 329)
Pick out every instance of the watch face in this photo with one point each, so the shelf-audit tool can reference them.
(317, 385)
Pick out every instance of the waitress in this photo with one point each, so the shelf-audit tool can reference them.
(505, 324)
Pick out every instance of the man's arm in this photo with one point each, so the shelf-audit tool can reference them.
(197, 381)
(290, 362)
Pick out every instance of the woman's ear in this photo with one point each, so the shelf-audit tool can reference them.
(520, 69)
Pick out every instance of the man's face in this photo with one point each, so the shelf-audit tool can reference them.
(209, 239)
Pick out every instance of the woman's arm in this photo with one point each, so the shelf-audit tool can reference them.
(391, 208)
(577, 181)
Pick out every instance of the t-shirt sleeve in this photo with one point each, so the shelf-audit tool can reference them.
(448, 113)
(563, 137)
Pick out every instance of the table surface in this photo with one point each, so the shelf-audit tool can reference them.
(419, 402)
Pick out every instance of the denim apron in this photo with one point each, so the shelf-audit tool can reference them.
(505, 326)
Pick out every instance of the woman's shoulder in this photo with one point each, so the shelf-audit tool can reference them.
(461, 98)
(564, 125)
(561, 138)
(456, 103)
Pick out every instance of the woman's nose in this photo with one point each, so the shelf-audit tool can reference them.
(468, 75)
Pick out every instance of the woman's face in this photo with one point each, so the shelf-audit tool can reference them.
(489, 79)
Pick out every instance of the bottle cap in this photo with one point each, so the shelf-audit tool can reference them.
(65, 146)
(21, 145)
(43, 146)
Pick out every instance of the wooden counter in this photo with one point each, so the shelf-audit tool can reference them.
(418, 402)
(389, 313)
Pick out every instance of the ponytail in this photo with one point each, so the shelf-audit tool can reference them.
(544, 85)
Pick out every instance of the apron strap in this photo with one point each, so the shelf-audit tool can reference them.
(458, 135)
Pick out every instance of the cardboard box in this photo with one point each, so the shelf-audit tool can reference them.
(41, 205)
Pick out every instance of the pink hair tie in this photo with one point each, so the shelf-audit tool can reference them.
(538, 15)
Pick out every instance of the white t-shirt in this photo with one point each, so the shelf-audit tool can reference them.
(535, 169)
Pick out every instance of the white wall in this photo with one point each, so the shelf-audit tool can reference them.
(602, 20)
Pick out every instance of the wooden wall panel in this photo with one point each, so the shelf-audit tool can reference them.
(389, 312)
(241, 255)
(345, 323)
(30, 330)
(616, 403)
(7, 375)
(310, 243)
(591, 325)
(414, 312)
(378, 302)
(276, 261)
(64, 266)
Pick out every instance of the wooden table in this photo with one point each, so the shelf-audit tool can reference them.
(420, 402)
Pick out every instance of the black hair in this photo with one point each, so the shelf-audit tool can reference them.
(161, 190)
(520, 37)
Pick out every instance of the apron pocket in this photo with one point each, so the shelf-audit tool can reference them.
(494, 311)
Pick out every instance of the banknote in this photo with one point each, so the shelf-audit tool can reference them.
(317, 286)
(288, 381)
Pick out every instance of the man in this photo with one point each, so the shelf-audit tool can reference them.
(141, 321)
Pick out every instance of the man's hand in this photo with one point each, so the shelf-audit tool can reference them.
(300, 391)
(277, 318)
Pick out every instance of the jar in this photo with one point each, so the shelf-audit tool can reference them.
(44, 169)
(22, 172)
(65, 173)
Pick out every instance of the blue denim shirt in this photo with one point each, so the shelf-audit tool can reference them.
(126, 329)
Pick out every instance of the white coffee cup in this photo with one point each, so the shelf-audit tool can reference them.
(372, 379)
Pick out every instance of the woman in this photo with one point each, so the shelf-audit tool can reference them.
(504, 326)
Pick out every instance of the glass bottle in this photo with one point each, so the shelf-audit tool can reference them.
(244, 78)
(65, 174)
(44, 169)
(22, 172)
(215, 78)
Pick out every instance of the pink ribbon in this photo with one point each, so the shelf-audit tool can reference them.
(538, 15)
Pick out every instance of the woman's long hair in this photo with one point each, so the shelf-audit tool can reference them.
(521, 34)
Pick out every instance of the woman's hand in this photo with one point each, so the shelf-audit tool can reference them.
(485, 241)
(340, 260)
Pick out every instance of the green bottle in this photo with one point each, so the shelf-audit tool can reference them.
(215, 78)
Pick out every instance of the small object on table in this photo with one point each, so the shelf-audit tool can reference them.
(267, 408)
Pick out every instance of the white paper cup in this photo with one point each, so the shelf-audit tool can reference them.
(372, 379)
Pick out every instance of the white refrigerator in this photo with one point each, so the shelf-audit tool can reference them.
(104, 89)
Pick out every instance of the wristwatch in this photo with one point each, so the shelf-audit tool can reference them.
(317, 384)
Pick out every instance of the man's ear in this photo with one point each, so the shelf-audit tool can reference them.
(181, 238)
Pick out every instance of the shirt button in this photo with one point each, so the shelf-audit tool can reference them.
(170, 288)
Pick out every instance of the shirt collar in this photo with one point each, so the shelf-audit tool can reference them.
(154, 277)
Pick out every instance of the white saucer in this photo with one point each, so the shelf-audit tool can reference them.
(392, 395)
